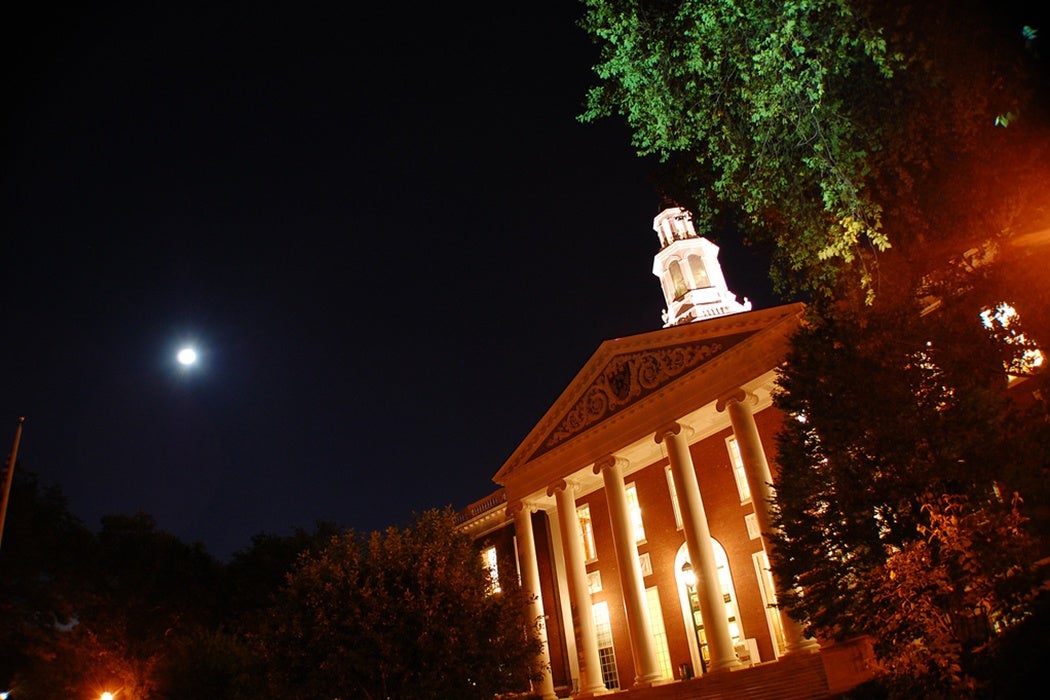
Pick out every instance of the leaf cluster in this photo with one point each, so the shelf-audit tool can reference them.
(83, 612)
(940, 599)
(405, 613)
(827, 127)
(904, 443)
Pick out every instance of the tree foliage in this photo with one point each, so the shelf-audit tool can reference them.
(45, 549)
(896, 502)
(254, 574)
(400, 614)
(316, 614)
(85, 613)
(829, 127)
(967, 576)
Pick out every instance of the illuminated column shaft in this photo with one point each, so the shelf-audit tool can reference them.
(530, 575)
(640, 628)
(583, 620)
(760, 481)
(701, 553)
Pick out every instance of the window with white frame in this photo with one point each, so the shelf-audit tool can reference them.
(491, 562)
(656, 617)
(606, 653)
(738, 469)
(769, 601)
(583, 514)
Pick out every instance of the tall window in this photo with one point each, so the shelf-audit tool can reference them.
(488, 557)
(636, 513)
(769, 600)
(583, 514)
(606, 653)
(656, 615)
(738, 469)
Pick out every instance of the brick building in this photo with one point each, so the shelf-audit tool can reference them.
(635, 507)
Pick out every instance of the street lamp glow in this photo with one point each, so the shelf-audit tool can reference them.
(187, 357)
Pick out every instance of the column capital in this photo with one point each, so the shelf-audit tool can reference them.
(738, 395)
(610, 461)
(673, 428)
(560, 485)
(516, 506)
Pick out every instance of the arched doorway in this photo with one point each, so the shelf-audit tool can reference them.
(688, 596)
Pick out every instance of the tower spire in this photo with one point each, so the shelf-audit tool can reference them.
(689, 272)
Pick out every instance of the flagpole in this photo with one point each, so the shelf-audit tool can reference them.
(9, 475)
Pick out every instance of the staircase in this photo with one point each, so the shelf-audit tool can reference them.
(791, 678)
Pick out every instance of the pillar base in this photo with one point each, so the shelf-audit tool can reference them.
(806, 646)
(724, 665)
(649, 681)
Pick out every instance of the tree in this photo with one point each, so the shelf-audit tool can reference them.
(255, 574)
(45, 549)
(942, 598)
(128, 598)
(399, 614)
(832, 128)
(210, 663)
(912, 481)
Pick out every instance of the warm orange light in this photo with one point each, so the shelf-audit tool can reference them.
(106, 696)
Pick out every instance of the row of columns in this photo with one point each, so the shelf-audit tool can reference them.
(698, 543)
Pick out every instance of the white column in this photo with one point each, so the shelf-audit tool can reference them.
(701, 553)
(530, 575)
(639, 626)
(562, 600)
(583, 616)
(760, 481)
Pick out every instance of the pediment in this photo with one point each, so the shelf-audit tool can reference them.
(628, 378)
(624, 372)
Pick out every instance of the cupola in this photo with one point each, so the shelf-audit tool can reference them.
(689, 272)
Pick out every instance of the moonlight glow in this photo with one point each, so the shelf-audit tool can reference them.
(187, 357)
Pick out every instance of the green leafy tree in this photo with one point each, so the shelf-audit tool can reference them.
(831, 128)
(406, 613)
(828, 130)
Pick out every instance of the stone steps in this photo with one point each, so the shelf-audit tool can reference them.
(791, 678)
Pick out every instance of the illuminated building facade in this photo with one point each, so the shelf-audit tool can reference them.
(635, 508)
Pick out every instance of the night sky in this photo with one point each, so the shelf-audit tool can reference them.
(382, 226)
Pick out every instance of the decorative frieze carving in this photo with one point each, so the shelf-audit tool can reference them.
(630, 377)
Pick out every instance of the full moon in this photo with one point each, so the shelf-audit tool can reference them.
(187, 356)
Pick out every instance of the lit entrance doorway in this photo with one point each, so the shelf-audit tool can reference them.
(688, 595)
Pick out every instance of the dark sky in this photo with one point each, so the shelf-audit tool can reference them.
(382, 226)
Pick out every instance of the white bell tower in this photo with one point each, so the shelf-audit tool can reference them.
(688, 268)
